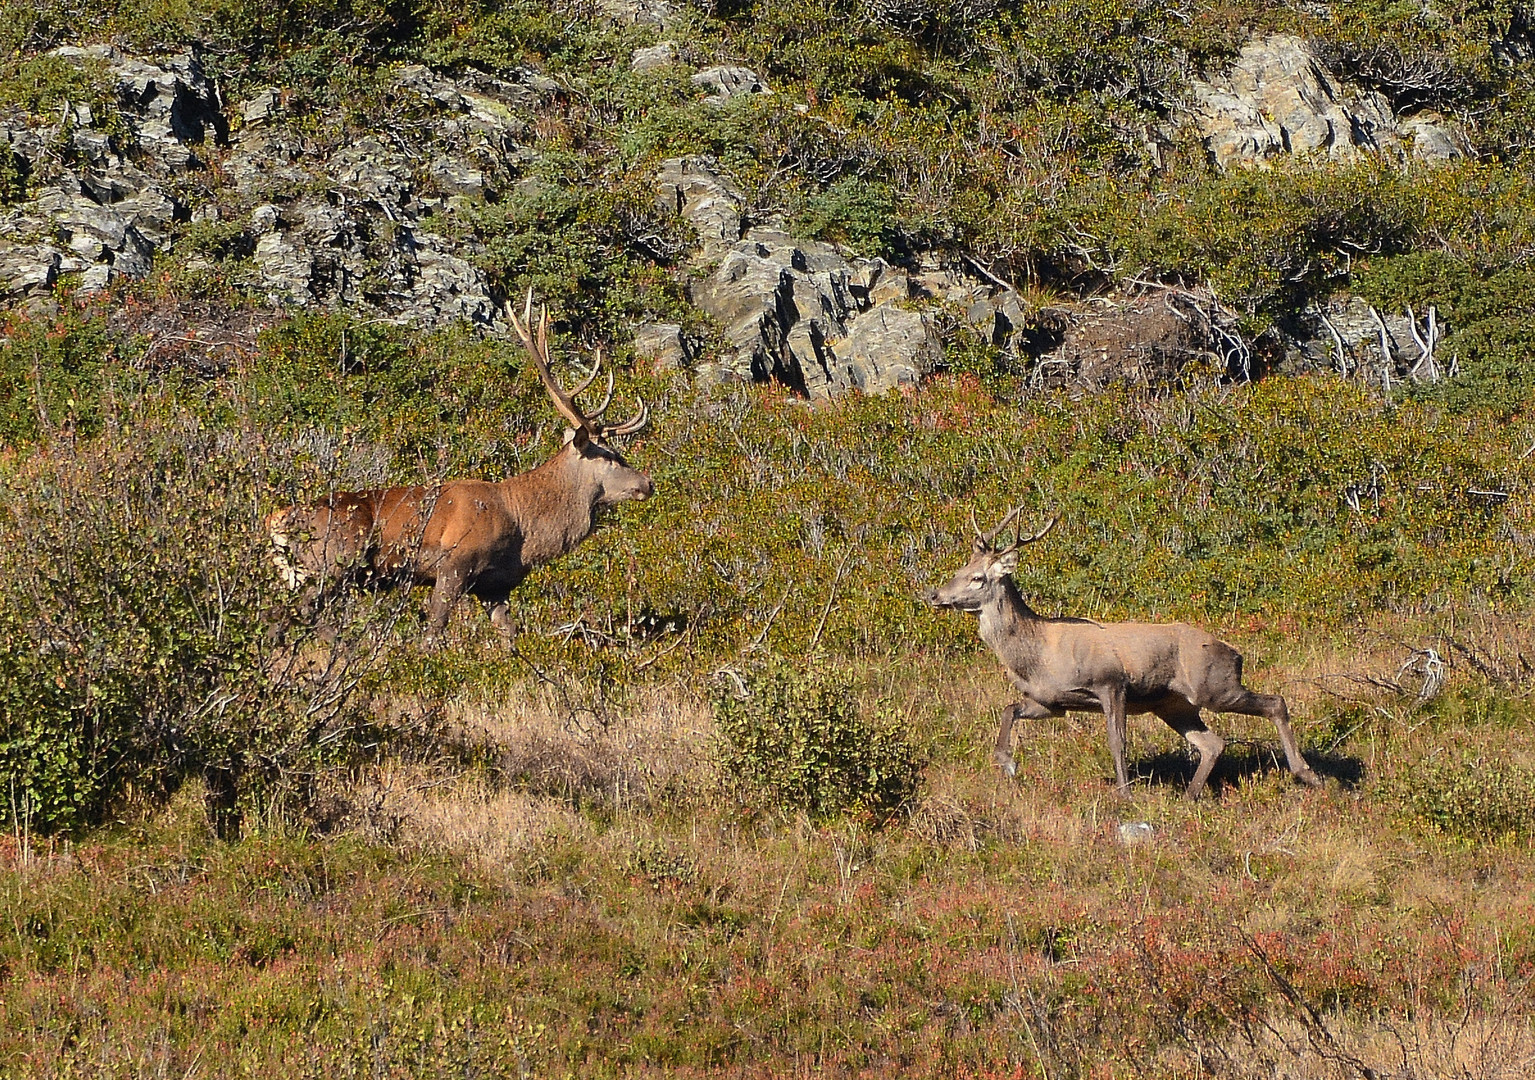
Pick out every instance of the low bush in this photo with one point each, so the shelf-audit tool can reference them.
(794, 737)
(136, 641)
(1468, 798)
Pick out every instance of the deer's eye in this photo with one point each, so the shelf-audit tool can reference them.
(978, 579)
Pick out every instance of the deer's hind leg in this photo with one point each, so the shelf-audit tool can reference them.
(1183, 717)
(1273, 706)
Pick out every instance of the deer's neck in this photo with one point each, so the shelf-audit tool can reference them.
(554, 505)
(1011, 627)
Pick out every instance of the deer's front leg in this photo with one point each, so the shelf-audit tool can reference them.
(1113, 700)
(1027, 709)
(448, 587)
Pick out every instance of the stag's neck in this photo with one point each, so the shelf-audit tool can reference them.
(1007, 622)
(555, 507)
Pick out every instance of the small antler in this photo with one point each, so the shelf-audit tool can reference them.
(538, 352)
(1020, 539)
(986, 540)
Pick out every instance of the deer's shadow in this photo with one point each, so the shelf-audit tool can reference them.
(1240, 763)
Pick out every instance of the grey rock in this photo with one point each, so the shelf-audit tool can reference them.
(1360, 335)
(286, 270)
(727, 81)
(261, 108)
(95, 278)
(456, 177)
(151, 212)
(27, 268)
(886, 347)
(663, 344)
(1278, 99)
(882, 283)
(654, 57)
(1136, 832)
(690, 188)
(797, 313)
(265, 219)
(1435, 138)
(636, 12)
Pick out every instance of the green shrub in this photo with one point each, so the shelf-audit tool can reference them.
(1469, 798)
(854, 212)
(135, 649)
(13, 177)
(52, 377)
(794, 737)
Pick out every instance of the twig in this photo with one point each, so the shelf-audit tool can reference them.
(1337, 340)
(757, 642)
(988, 275)
(831, 598)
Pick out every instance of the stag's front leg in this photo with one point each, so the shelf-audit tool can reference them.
(439, 607)
(1027, 709)
(1113, 701)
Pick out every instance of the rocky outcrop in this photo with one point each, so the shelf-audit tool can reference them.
(728, 81)
(105, 212)
(795, 311)
(664, 345)
(662, 54)
(1279, 99)
(1346, 334)
(359, 225)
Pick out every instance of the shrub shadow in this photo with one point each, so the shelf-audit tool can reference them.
(1240, 762)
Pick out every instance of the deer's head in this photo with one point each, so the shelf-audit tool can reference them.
(980, 580)
(602, 469)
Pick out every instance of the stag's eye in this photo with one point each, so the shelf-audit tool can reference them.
(978, 579)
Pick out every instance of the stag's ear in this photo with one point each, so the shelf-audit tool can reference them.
(577, 437)
(1005, 563)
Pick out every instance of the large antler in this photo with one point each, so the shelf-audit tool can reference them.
(984, 541)
(538, 352)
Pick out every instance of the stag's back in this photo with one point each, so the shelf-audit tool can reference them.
(1154, 657)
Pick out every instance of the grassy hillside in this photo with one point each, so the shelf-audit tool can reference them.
(728, 807)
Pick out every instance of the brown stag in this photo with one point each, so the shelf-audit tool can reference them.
(1171, 669)
(467, 536)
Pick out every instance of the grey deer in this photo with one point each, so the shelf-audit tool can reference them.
(1171, 669)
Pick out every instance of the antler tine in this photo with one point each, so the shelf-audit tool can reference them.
(1037, 536)
(606, 401)
(596, 367)
(629, 427)
(539, 353)
(992, 536)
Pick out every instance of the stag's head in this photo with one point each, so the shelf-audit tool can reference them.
(588, 441)
(980, 580)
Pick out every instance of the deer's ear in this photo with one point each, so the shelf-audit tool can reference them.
(1005, 563)
(577, 437)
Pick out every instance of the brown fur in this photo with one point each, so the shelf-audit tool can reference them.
(469, 536)
(1171, 669)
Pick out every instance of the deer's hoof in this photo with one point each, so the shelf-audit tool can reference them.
(1007, 765)
(1310, 779)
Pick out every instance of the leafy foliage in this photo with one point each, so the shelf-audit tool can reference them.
(1469, 798)
(135, 641)
(794, 737)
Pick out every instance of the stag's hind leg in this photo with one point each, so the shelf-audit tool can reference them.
(1184, 718)
(1273, 706)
